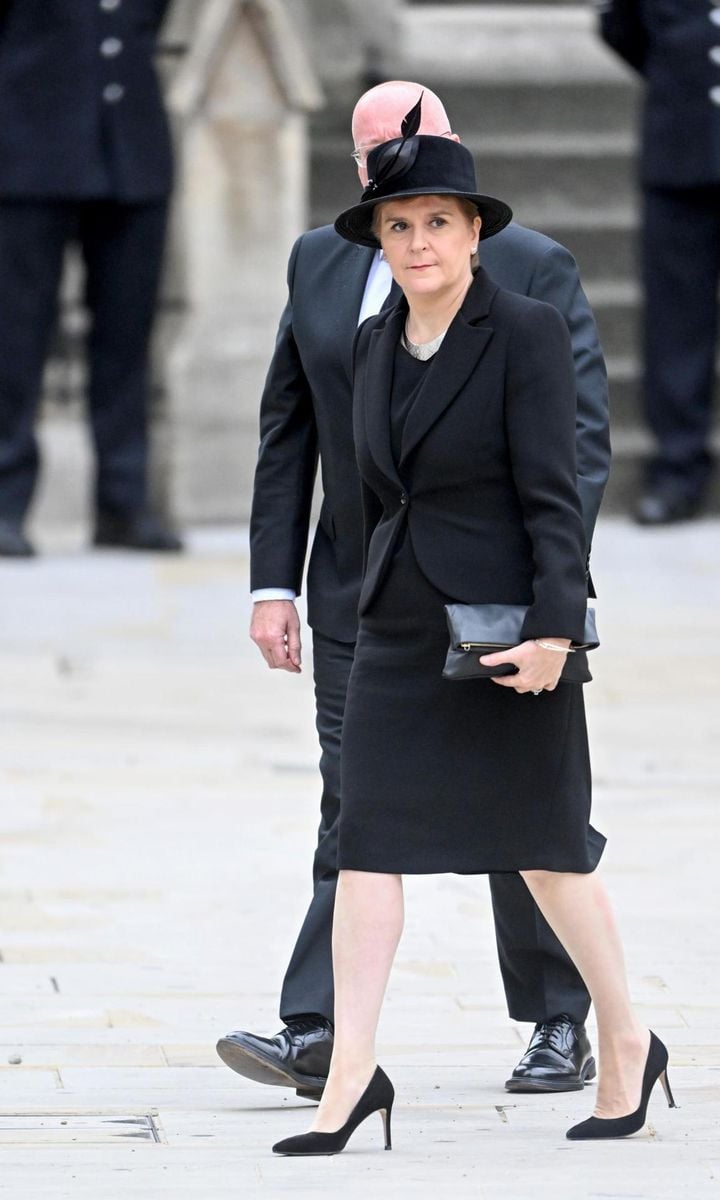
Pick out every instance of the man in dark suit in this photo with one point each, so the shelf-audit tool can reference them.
(676, 48)
(306, 411)
(84, 155)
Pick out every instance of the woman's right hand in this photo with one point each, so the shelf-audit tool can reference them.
(539, 670)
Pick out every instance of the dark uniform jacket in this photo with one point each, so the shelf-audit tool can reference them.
(306, 409)
(487, 475)
(81, 115)
(675, 44)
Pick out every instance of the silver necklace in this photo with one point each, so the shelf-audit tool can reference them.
(422, 350)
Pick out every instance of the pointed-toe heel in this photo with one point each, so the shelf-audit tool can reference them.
(617, 1127)
(377, 1097)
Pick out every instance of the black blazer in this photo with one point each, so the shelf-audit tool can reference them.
(306, 411)
(487, 478)
(63, 134)
(669, 42)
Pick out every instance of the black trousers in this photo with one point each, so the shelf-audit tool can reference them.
(122, 248)
(681, 273)
(540, 980)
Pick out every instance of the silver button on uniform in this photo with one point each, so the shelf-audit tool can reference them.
(112, 92)
(714, 53)
(110, 47)
(714, 95)
(714, 16)
(109, 5)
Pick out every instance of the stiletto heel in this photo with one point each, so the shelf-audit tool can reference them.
(665, 1082)
(616, 1127)
(377, 1097)
(385, 1113)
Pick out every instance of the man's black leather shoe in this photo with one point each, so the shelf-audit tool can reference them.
(664, 507)
(558, 1059)
(142, 531)
(13, 543)
(298, 1056)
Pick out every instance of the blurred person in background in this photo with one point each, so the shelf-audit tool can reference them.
(675, 46)
(85, 156)
(306, 408)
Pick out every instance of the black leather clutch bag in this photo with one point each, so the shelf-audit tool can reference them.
(478, 629)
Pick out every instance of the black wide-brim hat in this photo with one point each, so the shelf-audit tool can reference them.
(423, 165)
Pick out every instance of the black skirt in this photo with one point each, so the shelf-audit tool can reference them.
(467, 777)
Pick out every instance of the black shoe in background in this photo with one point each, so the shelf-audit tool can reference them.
(13, 543)
(141, 531)
(665, 506)
(298, 1056)
(558, 1059)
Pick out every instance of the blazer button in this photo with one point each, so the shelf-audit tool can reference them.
(110, 47)
(113, 92)
(109, 5)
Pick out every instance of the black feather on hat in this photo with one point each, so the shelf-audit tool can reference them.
(419, 165)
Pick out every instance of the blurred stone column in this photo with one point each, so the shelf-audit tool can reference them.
(239, 99)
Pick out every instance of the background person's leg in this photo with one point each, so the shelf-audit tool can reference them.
(681, 266)
(32, 242)
(123, 247)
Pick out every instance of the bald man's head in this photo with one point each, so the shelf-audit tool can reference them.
(378, 115)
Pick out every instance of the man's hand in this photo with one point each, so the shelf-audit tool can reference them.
(275, 630)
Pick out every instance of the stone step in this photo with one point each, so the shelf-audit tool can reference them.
(479, 3)
(536, 43)
(511, 106)
(537, 176)
(631, 450)
(624, 380)
(618, 314)
(604, 249)
(604, 241)
(626, 407)
(521, 107)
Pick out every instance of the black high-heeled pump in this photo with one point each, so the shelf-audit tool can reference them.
(377, 1097)
(617, 1127)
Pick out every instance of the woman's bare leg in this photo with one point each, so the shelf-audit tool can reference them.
(367, 925)
(577, 908)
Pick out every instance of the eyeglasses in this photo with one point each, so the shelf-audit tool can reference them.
(359, 156)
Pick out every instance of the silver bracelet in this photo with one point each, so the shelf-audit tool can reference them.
(550, 646)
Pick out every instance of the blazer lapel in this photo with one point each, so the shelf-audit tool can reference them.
(377, 389)
(463, 347)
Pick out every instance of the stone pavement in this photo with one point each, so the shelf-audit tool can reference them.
(159, 803)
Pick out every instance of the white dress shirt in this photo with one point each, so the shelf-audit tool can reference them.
(377, 287)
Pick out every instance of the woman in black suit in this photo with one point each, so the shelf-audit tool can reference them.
(465, 436)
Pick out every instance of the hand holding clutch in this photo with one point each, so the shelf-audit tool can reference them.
(480, 630)
(538, 668)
